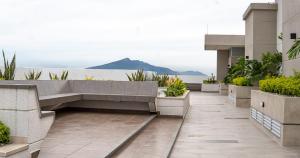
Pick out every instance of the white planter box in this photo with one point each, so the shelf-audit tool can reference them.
(240, 96)
(223, 90)
(282, 111)
(173, 106)
(210, 87)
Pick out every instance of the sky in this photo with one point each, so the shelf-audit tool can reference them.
(83, 33)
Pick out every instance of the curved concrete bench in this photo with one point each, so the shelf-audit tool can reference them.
(21, 112)
(122, 95)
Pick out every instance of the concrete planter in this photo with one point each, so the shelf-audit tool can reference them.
(14, 151)
(223, 89)
(277, 115)
(173, 106)
(240, 96)
(210, 87)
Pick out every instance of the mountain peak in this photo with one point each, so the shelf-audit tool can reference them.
(128, 64)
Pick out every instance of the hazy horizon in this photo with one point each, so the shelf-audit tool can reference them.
(80, 34)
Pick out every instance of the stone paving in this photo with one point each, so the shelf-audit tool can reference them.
(88, 134)
(215, 129)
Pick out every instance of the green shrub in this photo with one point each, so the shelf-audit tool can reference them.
(32, 75)
(281, 85)
(162, 80)
(138, 76)
(4, 134)
(242, 81)
(64, 75)
(271, 63)
(9, 68)
(176, 88)
(211, 79)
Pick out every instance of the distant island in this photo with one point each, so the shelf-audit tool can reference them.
(128, 64)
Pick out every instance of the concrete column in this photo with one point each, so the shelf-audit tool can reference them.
(222, 64)
(291, 23)
(261, 29)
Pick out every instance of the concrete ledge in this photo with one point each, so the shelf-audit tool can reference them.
(214, 88)
(259, 6)
(130, 136)
(240, 96)
(173, 106)
(12, 149)
(223, 89)
(223, 42)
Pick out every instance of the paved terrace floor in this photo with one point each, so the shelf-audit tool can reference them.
(215, 129)
(77, 134)
(212, 129)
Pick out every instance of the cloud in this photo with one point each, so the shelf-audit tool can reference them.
(80, 33)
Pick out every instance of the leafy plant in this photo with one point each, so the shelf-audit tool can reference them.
(236, 70)
(138, 76)
(162, 80)
(32, 75)
(9, 68)
(281, 85)
(63, 76)
(271, 63)
(242, 81)
(176, 88)
(294, 50)
(211, 79)
(4, 134)
(253, 70)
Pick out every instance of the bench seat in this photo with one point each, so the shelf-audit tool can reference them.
(117, 97)
(55, 99)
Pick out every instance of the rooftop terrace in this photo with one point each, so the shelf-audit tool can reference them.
(212, 128)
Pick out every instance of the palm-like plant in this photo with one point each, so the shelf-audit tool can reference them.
(271, 63)
(63, 76)
(32, 75)
(294, 50)
(162, 80)
(138, 76)
(9, 68)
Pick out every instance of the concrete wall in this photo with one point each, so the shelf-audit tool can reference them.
(222, 63)
(290, 24)
(235, 53)
(261, 30)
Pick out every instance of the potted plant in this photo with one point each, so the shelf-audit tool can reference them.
(245, 75)
(275, 108)
(175, 100)
(210, 85)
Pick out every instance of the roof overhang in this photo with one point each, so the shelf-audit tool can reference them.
(260, 6)
(223, 42)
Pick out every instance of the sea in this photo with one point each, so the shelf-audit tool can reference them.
(97, 74)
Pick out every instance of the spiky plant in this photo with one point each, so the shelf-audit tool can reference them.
(9, 68)
(161, 79)
(33, 75)
(138, 76)
(294, 50)
(63, 76)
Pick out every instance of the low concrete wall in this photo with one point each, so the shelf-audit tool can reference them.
(277, 115)
(15, 151)
(240, 96)
(20, 111)
(214, 88)
(194, 86)
(223, 90)
(173, 106)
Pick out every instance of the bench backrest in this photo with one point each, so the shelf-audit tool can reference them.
(45, 87)
(147, 88)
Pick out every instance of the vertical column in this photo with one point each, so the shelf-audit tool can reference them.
(222, 64)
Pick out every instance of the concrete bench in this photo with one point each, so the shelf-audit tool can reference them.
(121, 95)
(21, 112)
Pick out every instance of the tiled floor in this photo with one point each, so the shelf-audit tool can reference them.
(215, 129)
(88, 134)
(154, 141)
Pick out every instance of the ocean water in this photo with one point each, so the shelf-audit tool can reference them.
(81, 74)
